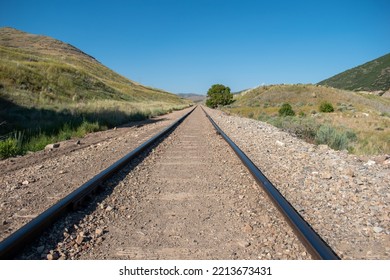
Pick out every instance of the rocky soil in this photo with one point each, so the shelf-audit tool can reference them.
(345, 198)
(190, 198)
(32, 183)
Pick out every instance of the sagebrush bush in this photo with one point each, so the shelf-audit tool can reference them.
(286, 110)
(304, 128)
(336, 139)
(326, 107)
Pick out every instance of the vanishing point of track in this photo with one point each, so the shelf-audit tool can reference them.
(314, 244)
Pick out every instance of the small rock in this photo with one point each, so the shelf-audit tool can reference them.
(52, 146)
(244, 244)
(279, 143)
(241, 196)
(247, 228)
(350, 173)
(108, 208)
(52, 256)
(78, 142)
(63, 171)
(326, 175)
(25, 182)
(99, 232)
(322, 147)
(381, 159)
(79, 239)
(377, 229)
(369, 163)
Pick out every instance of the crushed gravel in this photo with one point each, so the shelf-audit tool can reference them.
(344, 197)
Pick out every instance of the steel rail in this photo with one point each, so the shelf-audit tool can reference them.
(10, 246)
(316, 246)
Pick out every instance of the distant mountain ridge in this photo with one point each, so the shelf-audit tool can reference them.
(192, 96)
(371, 76)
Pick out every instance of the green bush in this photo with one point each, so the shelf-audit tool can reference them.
(337, 140)
(8, 148)
(304, 128)
(326, 107)
(286, 110)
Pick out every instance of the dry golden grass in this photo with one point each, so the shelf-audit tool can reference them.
(367, 116)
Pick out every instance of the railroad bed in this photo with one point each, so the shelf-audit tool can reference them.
(189, 197)
(30, 184)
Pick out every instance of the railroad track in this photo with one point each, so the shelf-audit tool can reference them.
(171, 211)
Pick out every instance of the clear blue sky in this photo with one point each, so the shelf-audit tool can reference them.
(188, 45)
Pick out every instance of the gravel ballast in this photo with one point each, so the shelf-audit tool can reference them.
(345, 198)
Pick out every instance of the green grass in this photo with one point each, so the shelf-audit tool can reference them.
(48, 126)
(8, 148)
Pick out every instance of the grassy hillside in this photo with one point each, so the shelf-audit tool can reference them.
(371, 76)
(360, 121)
(46, 70)
(46, 84)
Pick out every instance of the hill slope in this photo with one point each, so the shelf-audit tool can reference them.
(60, 72)
(363, 115)
(371, 76)
(42, 78)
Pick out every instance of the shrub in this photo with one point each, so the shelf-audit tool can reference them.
(304, 128)
(88, 127)
(286, 110)
(337, 140)
(8, 148)
(326, 107)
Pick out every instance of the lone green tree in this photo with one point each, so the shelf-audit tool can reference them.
(218, 95)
